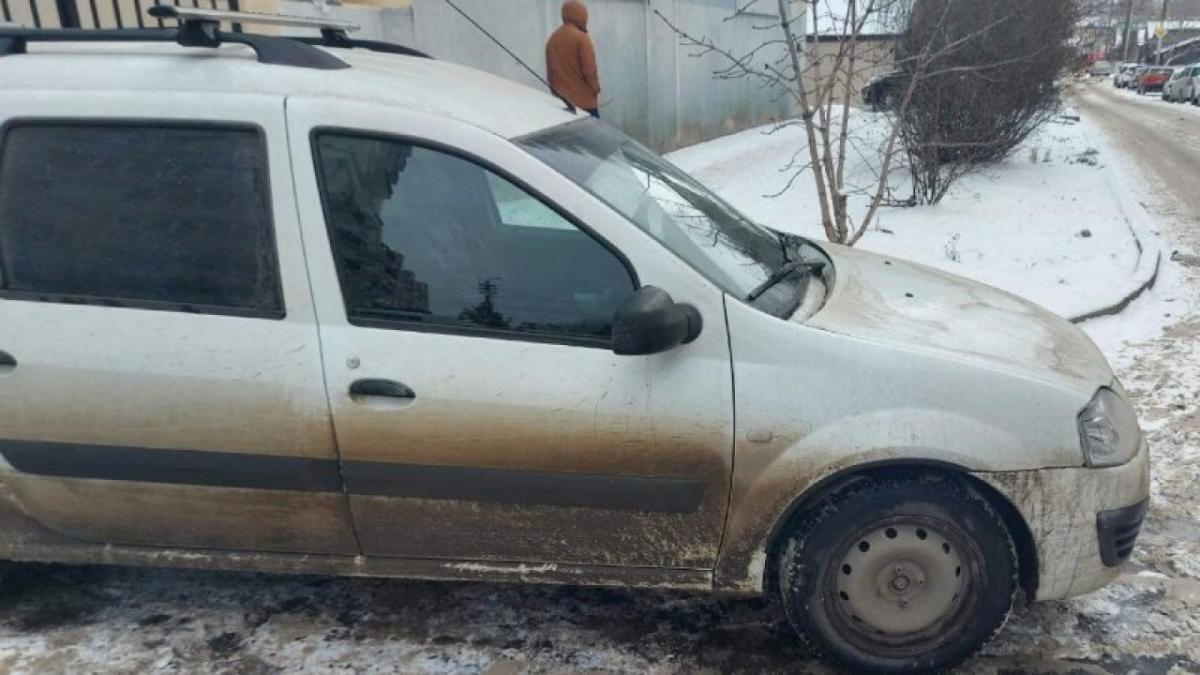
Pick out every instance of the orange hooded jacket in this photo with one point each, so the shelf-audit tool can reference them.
(571, 59)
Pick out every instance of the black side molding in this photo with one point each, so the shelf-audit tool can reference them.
(178, 467)
(370, 479)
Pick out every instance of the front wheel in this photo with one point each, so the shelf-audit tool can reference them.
(899, 574)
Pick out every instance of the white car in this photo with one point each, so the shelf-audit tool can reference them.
(1124, 77)
(1100, 69)
(343, 309)
(1182, 87)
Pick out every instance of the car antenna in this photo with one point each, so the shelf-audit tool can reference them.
(570, 106)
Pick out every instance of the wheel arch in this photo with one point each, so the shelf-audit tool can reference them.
(1027, 557)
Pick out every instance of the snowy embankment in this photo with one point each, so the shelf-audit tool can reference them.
(1053, 223)
(1154, 98)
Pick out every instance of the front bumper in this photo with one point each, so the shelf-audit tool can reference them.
(1076, 514)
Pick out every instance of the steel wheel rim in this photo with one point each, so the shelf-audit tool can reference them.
(900, 584)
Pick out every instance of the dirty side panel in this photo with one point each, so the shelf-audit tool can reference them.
(528, 450)
(1060, 506)
(133, 419)
(813, 403)
(605, 463)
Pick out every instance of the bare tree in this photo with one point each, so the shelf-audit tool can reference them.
(818, 57)
(818, 53)
(982, 99)
(821, 51)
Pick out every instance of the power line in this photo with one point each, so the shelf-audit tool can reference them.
(510, 52)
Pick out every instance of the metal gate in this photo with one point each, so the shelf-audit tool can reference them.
(96, 13)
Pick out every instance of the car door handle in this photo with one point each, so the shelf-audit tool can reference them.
(7, 363)
(381, 388)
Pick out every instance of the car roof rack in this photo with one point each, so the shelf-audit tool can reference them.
(204, 14)
(334, 33)
(202, 28)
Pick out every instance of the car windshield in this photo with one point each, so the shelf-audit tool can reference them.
(741, 257)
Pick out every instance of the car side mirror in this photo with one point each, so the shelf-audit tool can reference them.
(650, 322)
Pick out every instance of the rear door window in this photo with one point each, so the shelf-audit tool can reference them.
(156, 216)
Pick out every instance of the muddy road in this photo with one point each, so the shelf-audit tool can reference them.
(109, 619)
(1159, 140)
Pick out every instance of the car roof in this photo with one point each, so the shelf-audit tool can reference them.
(415, 83)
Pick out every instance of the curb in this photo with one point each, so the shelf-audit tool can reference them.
(1118, 307)
(1149, 263)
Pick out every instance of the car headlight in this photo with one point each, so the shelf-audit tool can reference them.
(1108, 430)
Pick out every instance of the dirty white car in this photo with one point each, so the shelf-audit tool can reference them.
(333, 307)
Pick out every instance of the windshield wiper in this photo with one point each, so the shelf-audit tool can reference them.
(783, 245)
(808, 266)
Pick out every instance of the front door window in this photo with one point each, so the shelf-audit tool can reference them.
(427, 240)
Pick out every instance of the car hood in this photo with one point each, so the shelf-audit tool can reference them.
(917, 307)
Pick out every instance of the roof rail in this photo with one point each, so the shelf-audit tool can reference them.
(185, 14)
(343, 42)
(202, 28)
(271, 50)
(333, 31)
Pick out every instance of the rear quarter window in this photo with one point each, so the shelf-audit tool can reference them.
(155, 216)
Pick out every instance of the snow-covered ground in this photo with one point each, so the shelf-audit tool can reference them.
(1155, 98)
(98, 619)
(1053, 223)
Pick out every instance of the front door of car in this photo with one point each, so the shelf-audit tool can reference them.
(160, 375)
(465, 317)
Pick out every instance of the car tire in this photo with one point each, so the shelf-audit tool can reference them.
(898, 574)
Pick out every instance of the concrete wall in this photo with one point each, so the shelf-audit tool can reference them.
(653, 88)
(875, 55)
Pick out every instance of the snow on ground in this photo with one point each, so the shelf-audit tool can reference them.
(1047, 224)
(1155, 98)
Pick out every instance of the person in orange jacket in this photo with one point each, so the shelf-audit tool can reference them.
(571, 60)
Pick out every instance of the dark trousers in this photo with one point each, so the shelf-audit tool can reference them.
(594, 112)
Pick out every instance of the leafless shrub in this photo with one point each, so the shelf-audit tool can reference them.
(977, 99)
(816, 51)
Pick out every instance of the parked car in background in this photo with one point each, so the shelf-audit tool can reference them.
(1136, 76)
(1123, 78)
(1101, 69)
(1175, 83)
(1182, 85)
(1153, 78)
(883, 91)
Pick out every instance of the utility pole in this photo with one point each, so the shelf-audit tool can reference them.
(1162, 24)
(1128, 29)
(1110, 31)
